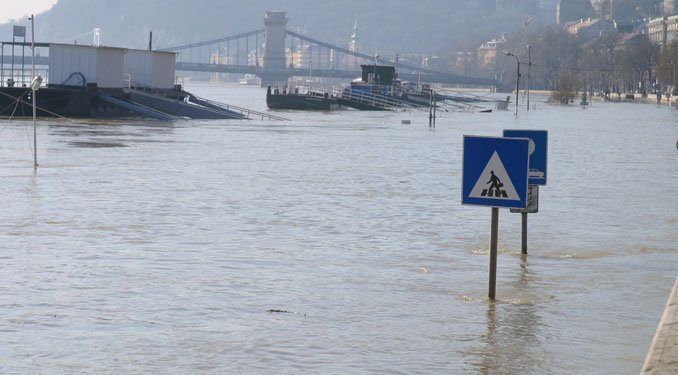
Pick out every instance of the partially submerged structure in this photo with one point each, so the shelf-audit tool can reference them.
(105, 82)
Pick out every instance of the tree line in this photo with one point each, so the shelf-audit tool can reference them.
(612, 63)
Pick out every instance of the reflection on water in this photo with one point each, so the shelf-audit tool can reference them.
(512, 343)
(96, 144)
(161, 247)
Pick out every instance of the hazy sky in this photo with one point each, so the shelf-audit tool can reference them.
(13, 9)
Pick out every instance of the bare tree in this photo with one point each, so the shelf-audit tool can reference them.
(668, 66)
(566, 89)
(641, 54)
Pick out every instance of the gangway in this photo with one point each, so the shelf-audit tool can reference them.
(179, 108)
(137, 108)
(366, 101)
(178, 103)
(245, 112)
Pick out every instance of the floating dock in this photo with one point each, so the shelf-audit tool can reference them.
(108, 82)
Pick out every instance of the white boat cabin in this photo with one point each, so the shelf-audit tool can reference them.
(108, 67)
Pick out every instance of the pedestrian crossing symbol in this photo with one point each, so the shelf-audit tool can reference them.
(494, 182)
(495, 171)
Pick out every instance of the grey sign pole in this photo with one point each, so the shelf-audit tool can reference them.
(523, 240)
(532, 208)
(494, 230)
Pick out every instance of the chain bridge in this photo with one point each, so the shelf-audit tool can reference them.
(286, 54)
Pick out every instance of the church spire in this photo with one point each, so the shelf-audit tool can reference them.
(353, 44)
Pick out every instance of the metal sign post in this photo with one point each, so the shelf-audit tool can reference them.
(537, 174)
(532, 208)
(494, 233)
(495, 174)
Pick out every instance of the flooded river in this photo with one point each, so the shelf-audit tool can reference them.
(334, 243)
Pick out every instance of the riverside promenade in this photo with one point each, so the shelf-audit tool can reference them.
(663, 355)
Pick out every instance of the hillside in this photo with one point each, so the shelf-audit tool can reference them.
(395, 25)
(429, 26)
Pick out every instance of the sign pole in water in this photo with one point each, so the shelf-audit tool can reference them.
(523, 233)
(495, 175)
(494, 232)
(537, 174)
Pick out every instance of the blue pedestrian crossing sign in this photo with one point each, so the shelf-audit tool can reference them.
(538, 153)
(495, 171)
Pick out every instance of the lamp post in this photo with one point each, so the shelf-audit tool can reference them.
(529, 65)
(374, 77)
(35, 85)
(507, 53)
(673, 63)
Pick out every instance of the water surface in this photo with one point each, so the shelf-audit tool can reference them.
(146, 247)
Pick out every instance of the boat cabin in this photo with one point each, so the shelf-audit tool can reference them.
(110, 67)
(378, 74)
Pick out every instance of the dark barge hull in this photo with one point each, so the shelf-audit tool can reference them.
(92, 102)
(17, 101)
(301, 102)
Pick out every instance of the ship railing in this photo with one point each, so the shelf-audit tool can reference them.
(375, 100)
(451, 105)
(21, 78)
(245, 112)
(127, 82)
(148, 89)
(302, 88)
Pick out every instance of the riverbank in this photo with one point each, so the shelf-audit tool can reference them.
(636, 98)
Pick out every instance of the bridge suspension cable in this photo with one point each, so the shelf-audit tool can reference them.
(213, 41)
(367, 57)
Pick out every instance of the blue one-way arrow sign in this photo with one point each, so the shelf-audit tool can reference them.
(495, 171)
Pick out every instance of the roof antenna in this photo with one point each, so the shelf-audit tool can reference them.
(150, 42)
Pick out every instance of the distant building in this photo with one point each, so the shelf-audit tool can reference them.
(627, 40)
(487, 53)
(670, 7)
(663, 30)
(435, 63)
(466, 62)
(592, 28)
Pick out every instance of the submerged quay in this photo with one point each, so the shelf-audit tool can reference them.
(663, 355)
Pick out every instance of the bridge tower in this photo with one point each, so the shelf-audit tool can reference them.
(274, 48)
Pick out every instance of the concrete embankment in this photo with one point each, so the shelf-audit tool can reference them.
(663, 355)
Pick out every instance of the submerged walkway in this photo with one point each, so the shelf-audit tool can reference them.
(663, 355)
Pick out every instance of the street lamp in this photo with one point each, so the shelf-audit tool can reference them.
(35, 85)
(507, 53)
(529, 65)
(673, 63)
(376, 57)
